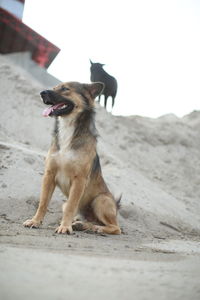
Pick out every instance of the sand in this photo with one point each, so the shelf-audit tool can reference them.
(154, 163)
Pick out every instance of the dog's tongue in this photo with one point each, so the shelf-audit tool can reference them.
(49, 110)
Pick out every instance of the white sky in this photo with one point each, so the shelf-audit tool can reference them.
(152, 47)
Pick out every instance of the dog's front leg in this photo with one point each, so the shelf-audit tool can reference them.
(48, 186)
(71, 207)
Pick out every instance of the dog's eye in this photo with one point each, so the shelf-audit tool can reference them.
(64, 88)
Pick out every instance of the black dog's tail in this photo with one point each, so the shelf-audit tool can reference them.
(118, 202)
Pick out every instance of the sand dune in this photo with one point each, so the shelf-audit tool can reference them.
(154, 163)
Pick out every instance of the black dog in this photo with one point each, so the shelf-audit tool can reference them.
(110, 83)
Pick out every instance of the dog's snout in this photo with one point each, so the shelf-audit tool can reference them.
(46, 96)
(43, 93)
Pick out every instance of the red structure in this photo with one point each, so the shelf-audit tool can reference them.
(15, 36)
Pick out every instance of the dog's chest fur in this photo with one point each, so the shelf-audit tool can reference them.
(65, 133)
(65, 157)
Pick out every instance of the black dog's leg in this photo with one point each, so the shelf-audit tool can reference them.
(105, 100)
(113, 101)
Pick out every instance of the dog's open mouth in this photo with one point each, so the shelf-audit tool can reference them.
(59, 105)
(56, 110)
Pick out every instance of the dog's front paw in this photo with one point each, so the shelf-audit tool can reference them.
(64, 229)
(31, 223)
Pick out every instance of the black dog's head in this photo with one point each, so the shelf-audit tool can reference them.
(95, 67)
(70, 97)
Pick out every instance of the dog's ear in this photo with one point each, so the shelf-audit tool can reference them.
(95, 88)
(91, 62)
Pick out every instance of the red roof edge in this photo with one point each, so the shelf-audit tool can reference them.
(16, 36)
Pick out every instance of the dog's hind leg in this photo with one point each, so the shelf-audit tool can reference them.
(105, 213)
(82, 225)
(105, 209)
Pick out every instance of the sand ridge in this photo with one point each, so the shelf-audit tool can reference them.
(154, 163)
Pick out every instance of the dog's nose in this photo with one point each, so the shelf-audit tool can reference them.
(46, 96)
(43, 93)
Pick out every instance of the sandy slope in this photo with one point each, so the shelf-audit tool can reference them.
(153, 162)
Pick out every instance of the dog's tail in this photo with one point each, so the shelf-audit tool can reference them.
(118, 202)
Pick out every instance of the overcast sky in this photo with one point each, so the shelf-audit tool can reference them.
(152, 47)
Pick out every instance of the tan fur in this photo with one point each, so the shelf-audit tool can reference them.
(70, 169)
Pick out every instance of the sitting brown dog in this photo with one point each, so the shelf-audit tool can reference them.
(73, 164)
